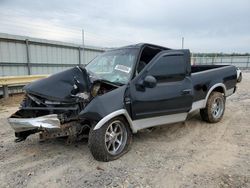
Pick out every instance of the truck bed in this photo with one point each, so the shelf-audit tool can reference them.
(200, 68)
(205, 76)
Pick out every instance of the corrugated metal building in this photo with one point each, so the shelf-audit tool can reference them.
(20, 55)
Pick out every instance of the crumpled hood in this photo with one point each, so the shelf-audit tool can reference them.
(61, 86)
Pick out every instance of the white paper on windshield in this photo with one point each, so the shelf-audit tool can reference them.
(123, 68)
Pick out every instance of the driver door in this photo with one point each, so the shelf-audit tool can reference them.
(172, 94)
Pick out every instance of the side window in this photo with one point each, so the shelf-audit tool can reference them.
(169, 68)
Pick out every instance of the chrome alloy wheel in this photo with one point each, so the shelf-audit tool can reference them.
(115, 137)
(217, 108)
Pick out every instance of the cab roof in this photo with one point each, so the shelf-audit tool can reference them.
(142, 45)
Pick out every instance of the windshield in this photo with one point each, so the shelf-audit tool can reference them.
(114, 66)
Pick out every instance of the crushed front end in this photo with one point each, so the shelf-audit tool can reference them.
(51, 105)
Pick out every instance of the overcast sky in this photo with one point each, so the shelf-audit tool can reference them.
(206, 25)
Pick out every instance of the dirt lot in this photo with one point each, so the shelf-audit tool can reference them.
(191, 154)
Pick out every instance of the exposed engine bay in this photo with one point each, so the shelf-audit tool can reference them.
(35, 106)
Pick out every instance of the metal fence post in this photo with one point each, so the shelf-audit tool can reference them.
(28, 55)
(79, 58)
(5, 92)
(83, 48)
(248, 61)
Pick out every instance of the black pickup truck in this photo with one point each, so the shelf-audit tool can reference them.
(120, 92)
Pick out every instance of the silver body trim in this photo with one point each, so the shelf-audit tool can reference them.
(161, 120)
(238, 73)
(142, 123)
(43, 122)
(202, 103)
(229, 92)
(212, 88)
(198, 105)
(115, 114)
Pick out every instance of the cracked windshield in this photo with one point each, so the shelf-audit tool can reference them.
(113, 66)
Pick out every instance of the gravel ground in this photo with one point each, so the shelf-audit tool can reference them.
(190, 154)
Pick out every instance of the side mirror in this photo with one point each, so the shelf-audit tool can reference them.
(149, 81)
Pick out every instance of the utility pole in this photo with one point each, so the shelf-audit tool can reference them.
(182, 42)
(83, 56)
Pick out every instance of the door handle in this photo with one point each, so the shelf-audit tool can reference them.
(186, 91)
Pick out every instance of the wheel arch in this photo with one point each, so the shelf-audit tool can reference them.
(219, 87)
(122, 113)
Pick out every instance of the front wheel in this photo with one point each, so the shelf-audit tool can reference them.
(110, 141)
(215, 108)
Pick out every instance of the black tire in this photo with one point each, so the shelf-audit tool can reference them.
(98, 144)
(240, 78)
(208, 114)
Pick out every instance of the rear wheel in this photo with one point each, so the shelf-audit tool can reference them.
(215, 108)
(110, 141)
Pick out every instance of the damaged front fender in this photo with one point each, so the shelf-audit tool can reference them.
(105, 104)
